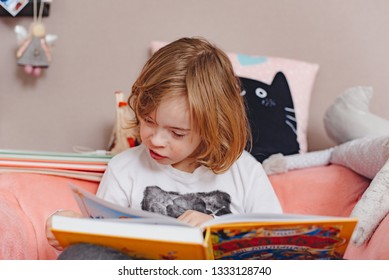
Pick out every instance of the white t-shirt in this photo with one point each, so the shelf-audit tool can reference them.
(134, 179)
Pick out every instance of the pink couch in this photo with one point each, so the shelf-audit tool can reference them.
(28, 199)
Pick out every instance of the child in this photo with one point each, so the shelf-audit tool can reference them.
(193, 130)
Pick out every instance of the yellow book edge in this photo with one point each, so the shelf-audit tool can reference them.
(237, 240)
(169, 246)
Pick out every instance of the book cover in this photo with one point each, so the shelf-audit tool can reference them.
(295, 239)
(142, 238)
(148, 235)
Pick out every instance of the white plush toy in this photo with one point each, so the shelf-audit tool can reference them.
(363, 146)
(349, 117)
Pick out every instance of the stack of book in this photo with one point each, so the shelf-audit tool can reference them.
(74, 165)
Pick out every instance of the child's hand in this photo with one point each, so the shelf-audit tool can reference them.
(50, 236)
(194, 218)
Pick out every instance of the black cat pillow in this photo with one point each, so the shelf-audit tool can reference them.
(271, 114)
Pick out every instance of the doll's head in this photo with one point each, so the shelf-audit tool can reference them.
(38, 30)
(202, 73)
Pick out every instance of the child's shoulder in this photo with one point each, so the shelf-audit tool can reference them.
(248, 161)
(246, 156)
(130, 155)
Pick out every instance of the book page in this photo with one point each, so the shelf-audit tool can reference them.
(128, 228)
(93, 207)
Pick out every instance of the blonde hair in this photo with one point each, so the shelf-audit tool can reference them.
(203, 73)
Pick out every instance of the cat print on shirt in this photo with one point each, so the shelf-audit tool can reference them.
(174, 204)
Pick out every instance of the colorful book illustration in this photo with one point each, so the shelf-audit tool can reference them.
(234, 236)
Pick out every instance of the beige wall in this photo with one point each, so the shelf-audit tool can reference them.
(103, 44)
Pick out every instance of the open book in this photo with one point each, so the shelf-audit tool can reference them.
(146, 235)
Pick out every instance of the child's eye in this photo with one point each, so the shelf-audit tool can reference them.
(148, 120)
(178, 134)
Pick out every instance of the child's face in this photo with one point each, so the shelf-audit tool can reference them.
(167, 133)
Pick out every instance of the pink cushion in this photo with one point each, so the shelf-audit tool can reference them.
(18, 239)
(29, 200)
(327, 190)
(376, 249)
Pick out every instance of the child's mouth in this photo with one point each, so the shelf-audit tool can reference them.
(156, 156)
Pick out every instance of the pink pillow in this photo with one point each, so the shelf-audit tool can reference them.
(376, 249)
(300, 75)
(18, 238)
(28, 199)
(330, 190)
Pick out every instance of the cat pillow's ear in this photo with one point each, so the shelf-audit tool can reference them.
(280, 84)
(270, 111)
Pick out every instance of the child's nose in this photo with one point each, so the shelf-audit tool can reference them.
(158, 139)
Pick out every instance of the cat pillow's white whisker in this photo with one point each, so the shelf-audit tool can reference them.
(288, 109)
(291, 118)
(291, 126)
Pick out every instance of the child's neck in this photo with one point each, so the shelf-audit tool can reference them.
(186, 167)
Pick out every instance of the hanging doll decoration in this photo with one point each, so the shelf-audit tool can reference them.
(34, 53)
